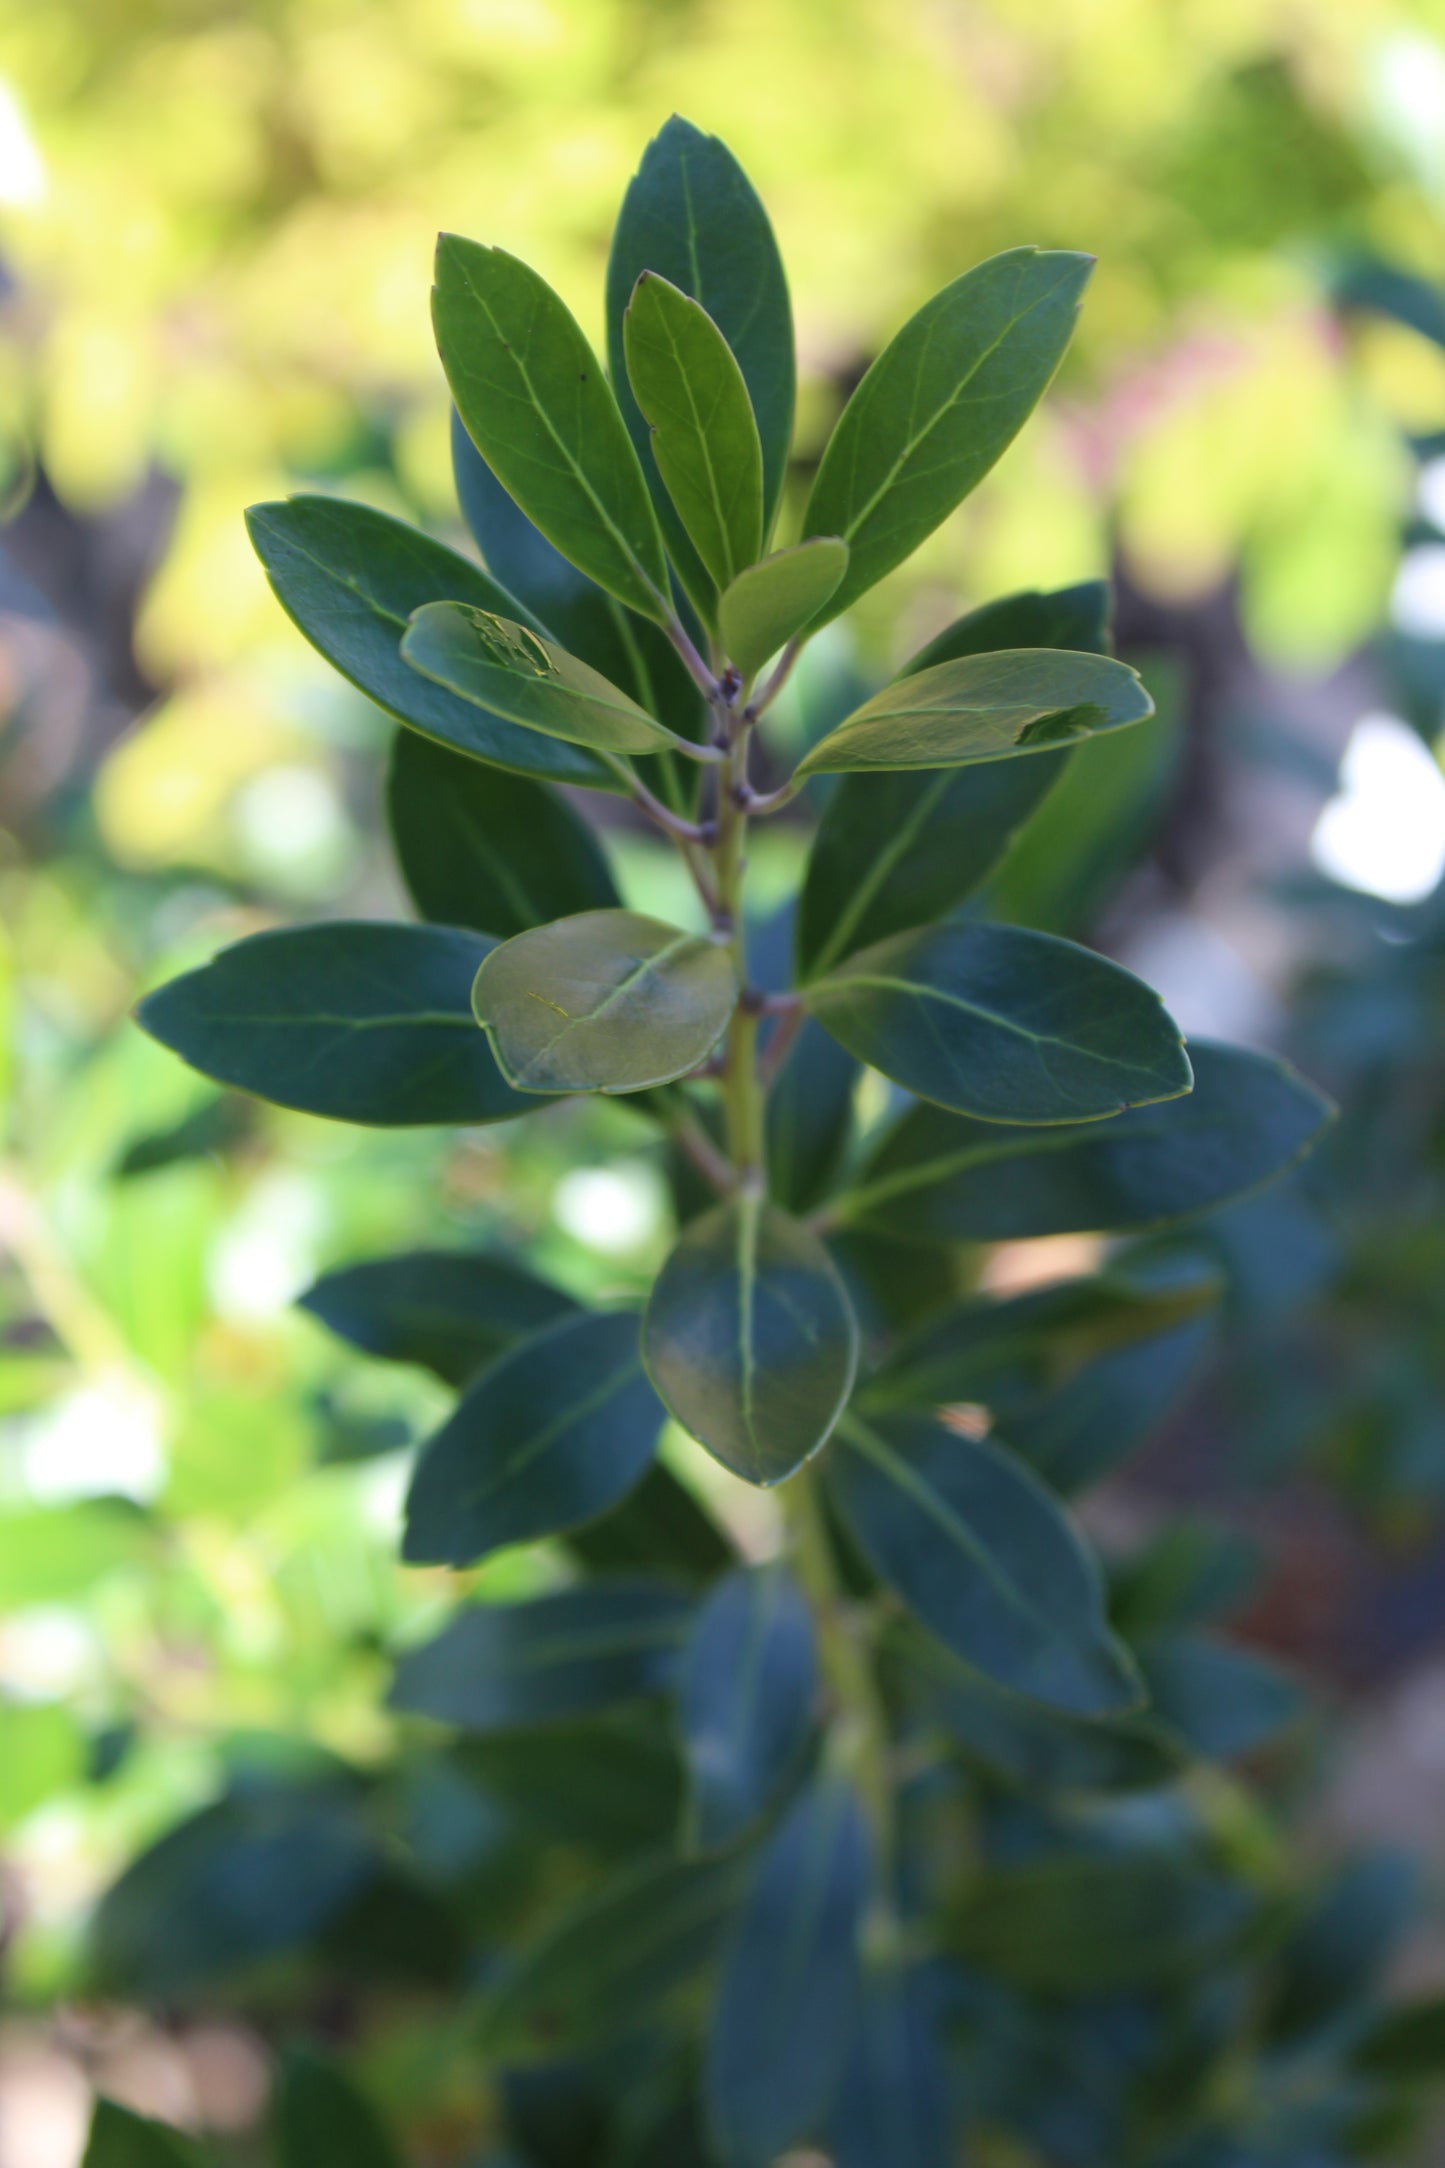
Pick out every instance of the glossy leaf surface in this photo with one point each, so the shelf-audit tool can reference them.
(452, 1311)
(611, 1958)
(1003, 1025)
(769, 602)
(703, 435)
(500, 665)
(692, 215)
(983, 1556)
(941, 403)
(609, 1001)
(747, 1696)
(937, 1178)
(750, 1340)
(357, 1020)
(504, 1667)
(478, 847)
(557, 1430)
(541, 413)
(789, 1983)
(350, 579)
(324, 2121)
(983, 708)
(898, 850)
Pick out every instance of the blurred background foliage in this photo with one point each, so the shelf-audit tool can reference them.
(215, 232)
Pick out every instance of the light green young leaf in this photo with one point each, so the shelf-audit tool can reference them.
(1003, 1025)
(608, 1001)
(770, 602)
(939, 406)
(704, 438)
(982, 708)
(750, 1339)
(541, 413)
(505, 668)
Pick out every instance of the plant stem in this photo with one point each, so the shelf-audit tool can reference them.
(742, 1094)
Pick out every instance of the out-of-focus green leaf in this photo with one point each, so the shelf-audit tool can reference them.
(609, 1001)
(1093, 1925)
(539, 409)
(42, 1753)
(120, 2139)
(356, 1020)
(659, 1525)
(503, 1667)
(747, 1696)
(557, 1430)
(1222, 1700)
(324, 2121)
(809, 1118)
(478, 847)
(893, 2109)
(350, 579)
(1003, 1025)
(984, 708)
(942, 402)
(937, 1178)
(984, 1557)
(767, 603)
(452, 1311)
(749, 1338)
(54, 1554)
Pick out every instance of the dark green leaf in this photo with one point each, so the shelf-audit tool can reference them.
(481, 848)
(749, 1338)
(504, 667)
(324, 2121)
(660, 1525)
(611, 1783)
(216, 1127)
(357, 1020)
(809, 1119)
(1041, 1753)
(1078, 1435)
(539, 410)
(984, 1557)
(892, 2109)
(608, 1001)
(502, 1667)
(692, 215)
(940, 404)
(450, 1310)
(556, 1431)
(789, 1985)
(704, 438)
(768, 603)
(1006, 1026)
(1407, 2045)
(746, 1700)
(984, 708)
(1331, 1965)
(256, 1874)
(1096, 1925)
(937, 1178)
(350, 579)
(120, 2139)
(603, 1967)
(898, 850)
(1223, 1701)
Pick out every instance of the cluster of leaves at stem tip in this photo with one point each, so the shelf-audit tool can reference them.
(646, 588)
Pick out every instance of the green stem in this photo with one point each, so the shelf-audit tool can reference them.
(742, 1093)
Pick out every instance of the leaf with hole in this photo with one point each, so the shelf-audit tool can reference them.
(983, 708)
(506, 1667)
(984, 1557)
(768, 603)
(558, 1429)
(607, 1002)
(749, 1338)
(936, 1178)
(939, 406)
(790, 1979)
(356, 1020)
(506, 668)
(1003, 1025)
(537, 406)
(703, 435)
(747, 1700)
(452, 1311)
(478, 847)
(898, 849)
